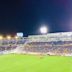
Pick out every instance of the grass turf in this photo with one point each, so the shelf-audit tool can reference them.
(31, 63)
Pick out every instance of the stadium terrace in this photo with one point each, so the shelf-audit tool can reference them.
(50, 44)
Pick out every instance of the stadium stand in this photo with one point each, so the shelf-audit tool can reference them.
(51, 44)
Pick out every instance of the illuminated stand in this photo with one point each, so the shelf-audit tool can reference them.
(8, 44)
(57, 43)
(51, 43)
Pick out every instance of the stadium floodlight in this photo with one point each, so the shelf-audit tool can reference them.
(16, 37)
(44, 30)
(1, 37)
(8, 37)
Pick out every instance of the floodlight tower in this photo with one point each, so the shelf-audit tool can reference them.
(43, 30)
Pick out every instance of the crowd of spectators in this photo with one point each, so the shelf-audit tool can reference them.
(58, 47)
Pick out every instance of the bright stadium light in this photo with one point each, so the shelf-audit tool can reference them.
(16, 37)
(1, 37)
(44, 30)
(8, 37)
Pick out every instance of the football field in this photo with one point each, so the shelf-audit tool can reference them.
(31, 63)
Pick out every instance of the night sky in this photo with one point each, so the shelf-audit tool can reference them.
(28, 15)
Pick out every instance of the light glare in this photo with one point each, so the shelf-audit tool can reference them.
(1, 37)
(8, 37)
(43, 30)
(16, 37)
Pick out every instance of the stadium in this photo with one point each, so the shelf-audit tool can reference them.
(36, 53)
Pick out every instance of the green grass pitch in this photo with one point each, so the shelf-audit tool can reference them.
(31, 63)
